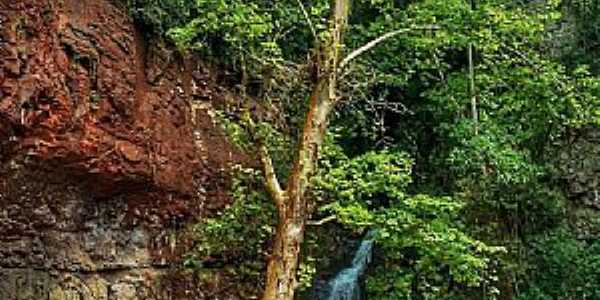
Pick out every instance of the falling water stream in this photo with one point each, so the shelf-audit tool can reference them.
(346, 284)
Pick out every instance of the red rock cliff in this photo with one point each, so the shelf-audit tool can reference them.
(101, 164)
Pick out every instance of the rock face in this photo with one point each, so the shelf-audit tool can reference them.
(100, 166)
(75, 92)
(581, 163)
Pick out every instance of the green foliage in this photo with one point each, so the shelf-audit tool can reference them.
(503, 167)
(307, 270)
(505, 188)
(585, 20)
(237, 236)
(424, 249)
(428, 252)
(246, 34)
(161, 15)
(503, 164)
(236, 133)
(562, 267)
(234, 24)
(278, 144)
(536, 80)
(365, 177)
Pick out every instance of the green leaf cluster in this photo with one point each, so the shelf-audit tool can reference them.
(424, 249)
(562, 267)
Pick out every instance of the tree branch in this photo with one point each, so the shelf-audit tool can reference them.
(310, 24)
(271, 181)
(322, 221)
(366, 47)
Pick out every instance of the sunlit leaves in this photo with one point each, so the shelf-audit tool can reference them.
(240, 25)
(421, 233)
(367, 176)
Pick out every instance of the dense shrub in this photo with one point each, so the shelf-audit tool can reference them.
(562, 267)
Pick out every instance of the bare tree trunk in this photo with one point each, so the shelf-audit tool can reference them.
(292, 203)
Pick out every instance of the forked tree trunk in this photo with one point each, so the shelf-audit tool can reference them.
(292, 203)
(283, 263)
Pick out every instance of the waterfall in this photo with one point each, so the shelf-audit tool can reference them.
(346, 285)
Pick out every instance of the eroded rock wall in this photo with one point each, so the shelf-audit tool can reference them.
(102, 166)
